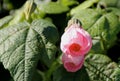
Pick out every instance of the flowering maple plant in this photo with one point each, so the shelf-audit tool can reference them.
(75, 43)
(30, 48)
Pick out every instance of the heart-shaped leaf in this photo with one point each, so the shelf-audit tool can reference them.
(23, 44)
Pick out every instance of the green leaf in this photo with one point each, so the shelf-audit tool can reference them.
(18, 16)
(37, 14)
(49, 35)
(84, 5)
(110, 3)
(118, 3)
(22, 45)
(52, 8)
(62, 75)
(68, 2)
(87, 17)
(117, 77)
(46, 29)
(114, 10)
(103, 27)
(100, 67)
(51, 51)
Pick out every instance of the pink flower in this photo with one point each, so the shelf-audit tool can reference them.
(75, 41)
(72, 64)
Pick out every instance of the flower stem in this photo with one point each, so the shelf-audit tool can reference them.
(53, 67)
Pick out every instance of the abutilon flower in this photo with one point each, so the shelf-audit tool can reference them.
(75, 41)
(72, 64)
(75, 44)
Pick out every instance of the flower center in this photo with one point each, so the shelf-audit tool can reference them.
(75, 47)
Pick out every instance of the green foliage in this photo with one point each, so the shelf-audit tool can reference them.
(110, 3)
(117, 78)
(100, 67)
(101, 25)
(4, 21)
(52, 7)
(25, 43)
(30, 42)
(68, 2)
(116, 11)
(84, 5)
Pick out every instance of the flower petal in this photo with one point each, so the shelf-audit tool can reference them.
(72, 64)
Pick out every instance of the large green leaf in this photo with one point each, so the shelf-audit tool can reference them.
(62, 75)
(100, 67)
(49, 35)
(102, 26)
(23, 44)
